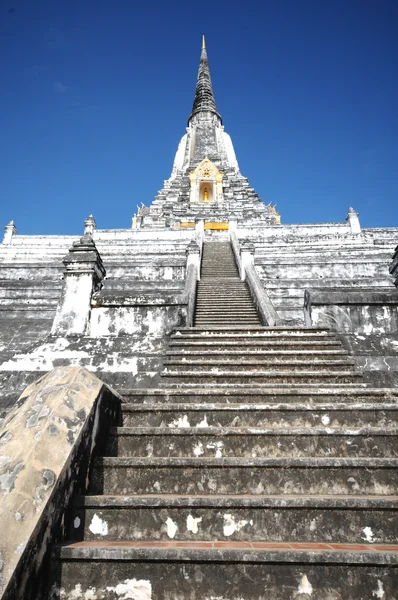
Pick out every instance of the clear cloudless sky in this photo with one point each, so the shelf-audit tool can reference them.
(95, 97)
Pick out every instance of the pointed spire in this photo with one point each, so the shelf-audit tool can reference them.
(204, 97)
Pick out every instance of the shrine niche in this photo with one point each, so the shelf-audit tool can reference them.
(206, 183)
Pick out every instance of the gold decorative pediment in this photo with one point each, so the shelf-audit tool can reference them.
(206, 170)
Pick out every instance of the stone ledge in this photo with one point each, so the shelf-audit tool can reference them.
(104, 298)
(361, 296)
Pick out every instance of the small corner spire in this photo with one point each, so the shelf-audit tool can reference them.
(203, 42)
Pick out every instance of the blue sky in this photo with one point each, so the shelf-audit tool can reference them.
(96, 94)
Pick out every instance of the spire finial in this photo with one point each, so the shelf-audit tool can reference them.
(204, 98)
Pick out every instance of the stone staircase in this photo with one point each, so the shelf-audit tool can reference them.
(237, 356)
(222, 298)
(262, 469)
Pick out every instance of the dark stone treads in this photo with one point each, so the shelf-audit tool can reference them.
(254, 442)
(230, 571)
(186, 364)
(262, 468)
(276, 519)
(222, 298)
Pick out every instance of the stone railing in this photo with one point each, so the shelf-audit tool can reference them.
(49, 440)
(244, 257)
(191, 279)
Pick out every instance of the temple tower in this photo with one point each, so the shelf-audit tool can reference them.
(205, 180)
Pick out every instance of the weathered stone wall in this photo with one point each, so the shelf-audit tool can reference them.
(291, 259)
(142, 299)
(349, 311)
(345, 278)
(47, 444)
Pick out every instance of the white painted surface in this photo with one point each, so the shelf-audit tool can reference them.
(230, 152)
(231, 525)
(379, 593)
(217, 446)
(75, 593)
(313, 525)
(368, 535)
(192, 523)
(133, 589)
(74, 307)
(98, 526)
(181, 422)
(172, 528)
(305, 587)
(179, 157)
(198, 449)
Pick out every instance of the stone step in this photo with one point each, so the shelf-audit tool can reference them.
(313, 355)
(254, 344)
(258, 364)
(325, 519)
(278, 441)
(209, 321)
(207, 318)
(261, 330)
(234, 317)
(228, 570)
(244, 376)
(274, 395)
(219, 476)
(232, 312)
(231, 300)
(215, 284)
(226, 292)
(221, 286)
(224, 295)
(257, 333)
(235, 312)
(233, 279)
(307, 414)
(224, 302)
(259, 385)
(221, 278)
(216, 268)
(230, 307)
(227, 306)
(220, 274)
(218, 262)
(208, 282)
(250, 338)
(228, 315)
(210, 273)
